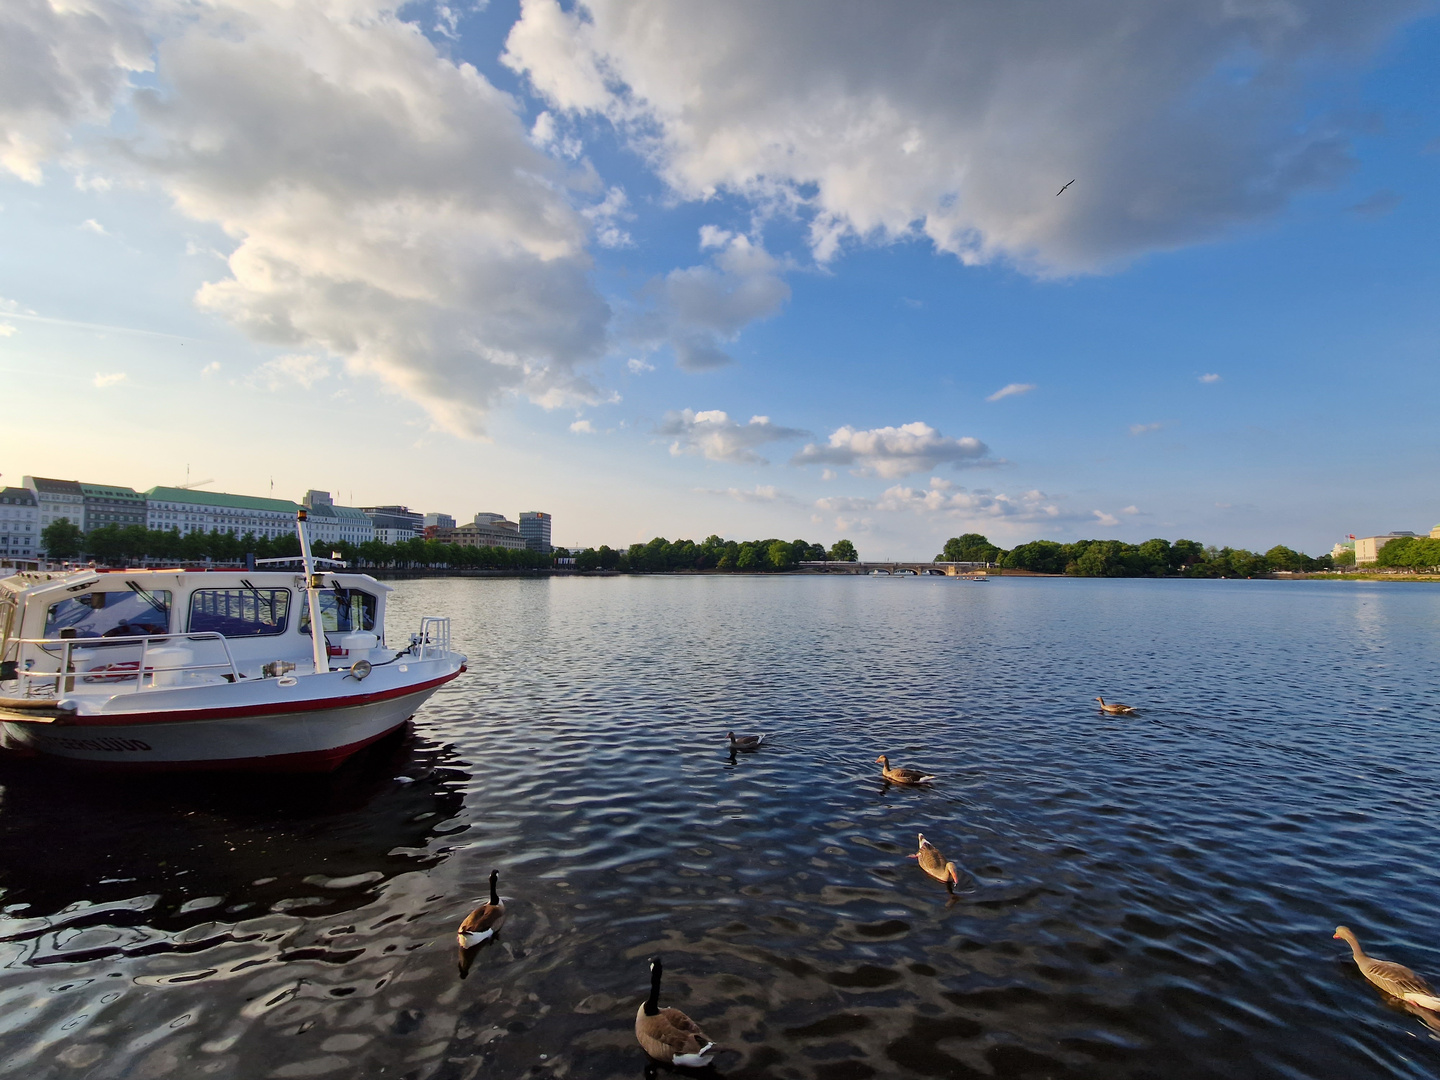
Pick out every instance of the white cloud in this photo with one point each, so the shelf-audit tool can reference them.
(386, 204)
(1144, 429)
(582, 427)
(61, 64)
(1010, 389)
(827, 474)
(6, 329)
(1108, 520)
(714, 435)
(212, 368)
(1210, 378)
(951, 502)
(638, 366)
(604, 217)
(893, 451)
(1176, 121)
(91, 225)
(698, 309)
(299, 369)
(109, 378)
(760, 493)
(1132, 510)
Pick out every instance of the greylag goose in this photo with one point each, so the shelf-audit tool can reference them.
(901, 776)
(669, 1035)
(1394, 979)
(745, 742)
(932, 860)
(1115, 708)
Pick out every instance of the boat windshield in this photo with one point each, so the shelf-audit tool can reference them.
(342, 610)
(109, 614)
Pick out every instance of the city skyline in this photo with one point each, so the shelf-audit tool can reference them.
(754, 273)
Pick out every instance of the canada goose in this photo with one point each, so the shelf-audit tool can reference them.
(668, 1034)
(745, 742)
(1115, 708)
(932, 860)
(1394, 979)
(480, 925)
(901, 776)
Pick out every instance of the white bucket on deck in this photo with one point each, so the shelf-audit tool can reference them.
(166, 663)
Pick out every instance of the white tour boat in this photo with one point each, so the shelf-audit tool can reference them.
(207, 669)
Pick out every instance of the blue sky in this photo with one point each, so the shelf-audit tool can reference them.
(668, 270)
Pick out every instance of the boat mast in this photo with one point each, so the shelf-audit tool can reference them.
(313, 585)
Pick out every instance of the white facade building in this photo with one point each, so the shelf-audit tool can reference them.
(57, 499)
(330, 524)
(19, 524)
(186, 511)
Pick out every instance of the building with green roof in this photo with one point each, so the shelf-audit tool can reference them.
(186, 511)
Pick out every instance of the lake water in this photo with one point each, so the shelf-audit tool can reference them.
(1141, 897)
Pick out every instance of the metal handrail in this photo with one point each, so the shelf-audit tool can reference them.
(439, 626)
(67, 673)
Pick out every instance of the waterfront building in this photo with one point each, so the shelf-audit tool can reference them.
(185, 511)
(498, 534)
(486, 518)
(1367, 548)
(57, 499)
(535, 528)
(330, 524)
(19, 524)
(394, 524)
(439, 521)
(109, 505)
(1341, 547)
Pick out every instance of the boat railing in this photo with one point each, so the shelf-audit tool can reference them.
(149, 671)
(434, 637)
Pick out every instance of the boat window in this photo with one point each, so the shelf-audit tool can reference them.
(342, 610)
(239, 612)
(109, 614)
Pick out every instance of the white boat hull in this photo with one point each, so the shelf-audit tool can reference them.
(310, 724)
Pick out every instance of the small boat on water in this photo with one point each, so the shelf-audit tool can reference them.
(207, 669)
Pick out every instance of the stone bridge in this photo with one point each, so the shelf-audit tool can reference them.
(900, 569)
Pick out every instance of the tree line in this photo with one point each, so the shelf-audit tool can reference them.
(1115, 558)
(1410, 553)
(661, 556)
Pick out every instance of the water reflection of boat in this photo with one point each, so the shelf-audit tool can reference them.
(193, 848)
(183, 669)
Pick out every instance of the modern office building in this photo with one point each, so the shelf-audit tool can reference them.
(57, 499)
(484, 518)
(499, 534)
(439, 521)
(187, 511)
(19, 524)
(394, 524)
(1367, 548)
(109, 505)
(535, 528)
(330, 524)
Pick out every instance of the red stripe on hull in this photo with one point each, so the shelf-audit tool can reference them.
(240, 712)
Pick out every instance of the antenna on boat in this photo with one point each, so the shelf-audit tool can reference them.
(312, 596)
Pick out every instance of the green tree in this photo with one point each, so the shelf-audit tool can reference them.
(843, 551)
(62, 539)
(780, 555)
(968, 547)
(748, 558)
(1038, 556)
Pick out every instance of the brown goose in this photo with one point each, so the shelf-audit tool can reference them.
(1115, 708)
(668, 1034)
(901, 776)
(480, 925)
(745, 742)
(1394, 979)
(933, 862)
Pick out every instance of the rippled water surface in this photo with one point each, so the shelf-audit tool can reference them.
(1140, 897)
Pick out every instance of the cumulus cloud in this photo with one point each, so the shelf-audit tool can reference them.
(582, 427)
(950, 501)
(713, 435)
(109, 378)
(91, 225)
(61, 64)
(606, 215)
(1144, 429)
(959, 121)
(1130, 510)
(299, 369)
(386, 204)
(760, 493)
(212, 368)
(638, 366)
(697, 310)
(1108, 520)
(893, 452)
(1210, 378)
(6, 329)
(1010, 389)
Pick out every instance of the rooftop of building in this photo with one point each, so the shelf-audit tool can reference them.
(107, 491)
(221, 499)
(54, 487)
(20, 495)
